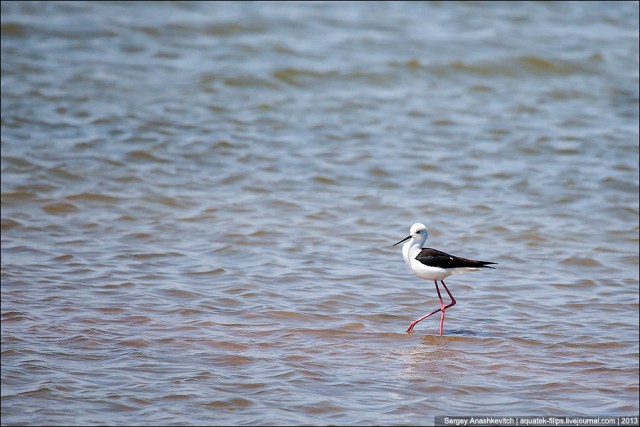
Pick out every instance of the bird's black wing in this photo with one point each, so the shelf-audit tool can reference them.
(436, 258)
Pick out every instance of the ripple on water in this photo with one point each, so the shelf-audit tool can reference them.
(197, 218)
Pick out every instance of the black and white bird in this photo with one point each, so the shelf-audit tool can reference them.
(432, 264)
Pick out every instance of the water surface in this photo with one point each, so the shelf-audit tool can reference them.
(199, 202)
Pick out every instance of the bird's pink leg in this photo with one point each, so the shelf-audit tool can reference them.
(415, 322)
(442, 309)
(453, 302)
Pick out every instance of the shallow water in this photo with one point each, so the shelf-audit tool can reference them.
(199, 202)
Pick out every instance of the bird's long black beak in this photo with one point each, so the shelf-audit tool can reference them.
(406, 238)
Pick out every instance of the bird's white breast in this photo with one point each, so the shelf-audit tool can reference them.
(410, 251)
(427, 272)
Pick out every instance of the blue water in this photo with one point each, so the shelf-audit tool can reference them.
(199, 202)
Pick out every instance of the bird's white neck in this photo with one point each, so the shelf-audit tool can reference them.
(411, 249)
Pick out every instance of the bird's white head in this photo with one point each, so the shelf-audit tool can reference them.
(419, 233)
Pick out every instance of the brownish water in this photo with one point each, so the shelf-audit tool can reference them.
(199, 202)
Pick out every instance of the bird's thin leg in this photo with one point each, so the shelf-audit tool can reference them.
(451, 304)
(415, 322)
(453, 300)
(442, 308)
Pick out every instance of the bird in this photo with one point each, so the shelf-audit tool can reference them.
(432, 264)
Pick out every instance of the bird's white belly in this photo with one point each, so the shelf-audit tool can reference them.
(429, 273)
(437, 273)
